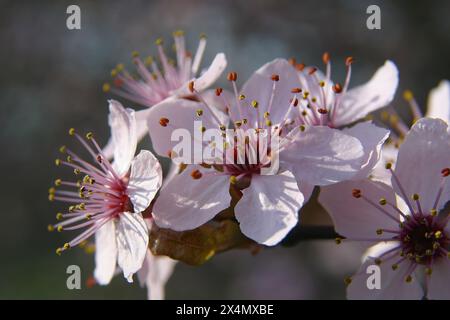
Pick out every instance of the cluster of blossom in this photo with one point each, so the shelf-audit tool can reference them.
(387, 189)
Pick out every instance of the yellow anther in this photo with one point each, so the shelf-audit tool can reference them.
(322, 84)
(436, 245)
(302, 128)
(433, 212)
(135, 54)
(66, 246)
(69, 159)
(394, 266)
(178, 33)
(408, 95)
(113, 73)
(50, 228)
(244, 121)
(81, 206)
(266, 115)
(59, 251)
(415, 196)
(120, 67)
(51, 190)
(57, 162)
(62, 149)
(60, 228)
(388, 165)
(71, 131)
(241, 97)
(237, 124)
(408, 279)
(59, 216)
(72, 208)
(89, 135)
(382, 201)
(268, 123)
(76, 171)
(106, 87)
(438, 234)
(233, 179)
(202, 35)
(86, 179)
(148, 61)
(88, 216)
(202, 129)
(429, 252)
(199, 112)
(379, 232)
(51, 197)
(181, 167)
(255, 104)
(159, 41)
(338, 240)
(222, 127)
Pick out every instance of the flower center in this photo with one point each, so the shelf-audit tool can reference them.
(423, 238)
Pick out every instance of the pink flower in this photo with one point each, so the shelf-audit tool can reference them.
(267, 211)
(411, 232)
(155, 85)
(109, 198)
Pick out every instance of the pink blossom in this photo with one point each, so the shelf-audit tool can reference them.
(109, 198)
(406, 222)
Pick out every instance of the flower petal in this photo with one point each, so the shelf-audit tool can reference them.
(355, 218)
(105, 253)
(389, 154)
(132, 243)
(260, 87)
(438, 288)
(186, 203)
(145, 180)
(181, 114)
(392, 283)
(123, 134)
(372, 138)
(322, 156)
(268, 208)
(421, 158)
(206, 79)
(439, 102)
(375, 94)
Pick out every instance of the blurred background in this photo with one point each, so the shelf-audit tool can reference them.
(51, 80)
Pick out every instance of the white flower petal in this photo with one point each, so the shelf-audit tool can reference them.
(392, 283)
(123, 134)
(438, 288)
(389, 154)
(132, 243)
(375, 94)
(372, 138)
(268, 208)
(212, 73)
(259, 87)
(185, 203)
(145, 180)
(322, 156)
(355, 218)
(439, 102)
(421, 158)
(105, 253)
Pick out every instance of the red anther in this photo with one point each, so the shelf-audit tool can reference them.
(275, 77)
(219, 91)
(356, 193)
(296, 90)
(322, 111)
(191, 86)
(196, 174)
(164, 122)
(349, 61)
(445, 172)
(337, 88)
(300, 66)
(295, 102)
(118, 82)
(326, 57)
(232, 76)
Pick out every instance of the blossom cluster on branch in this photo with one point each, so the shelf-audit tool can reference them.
(246, 158)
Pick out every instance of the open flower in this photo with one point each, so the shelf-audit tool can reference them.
(268, 208)
(154, 85)
(411, 231)
(109, 198)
